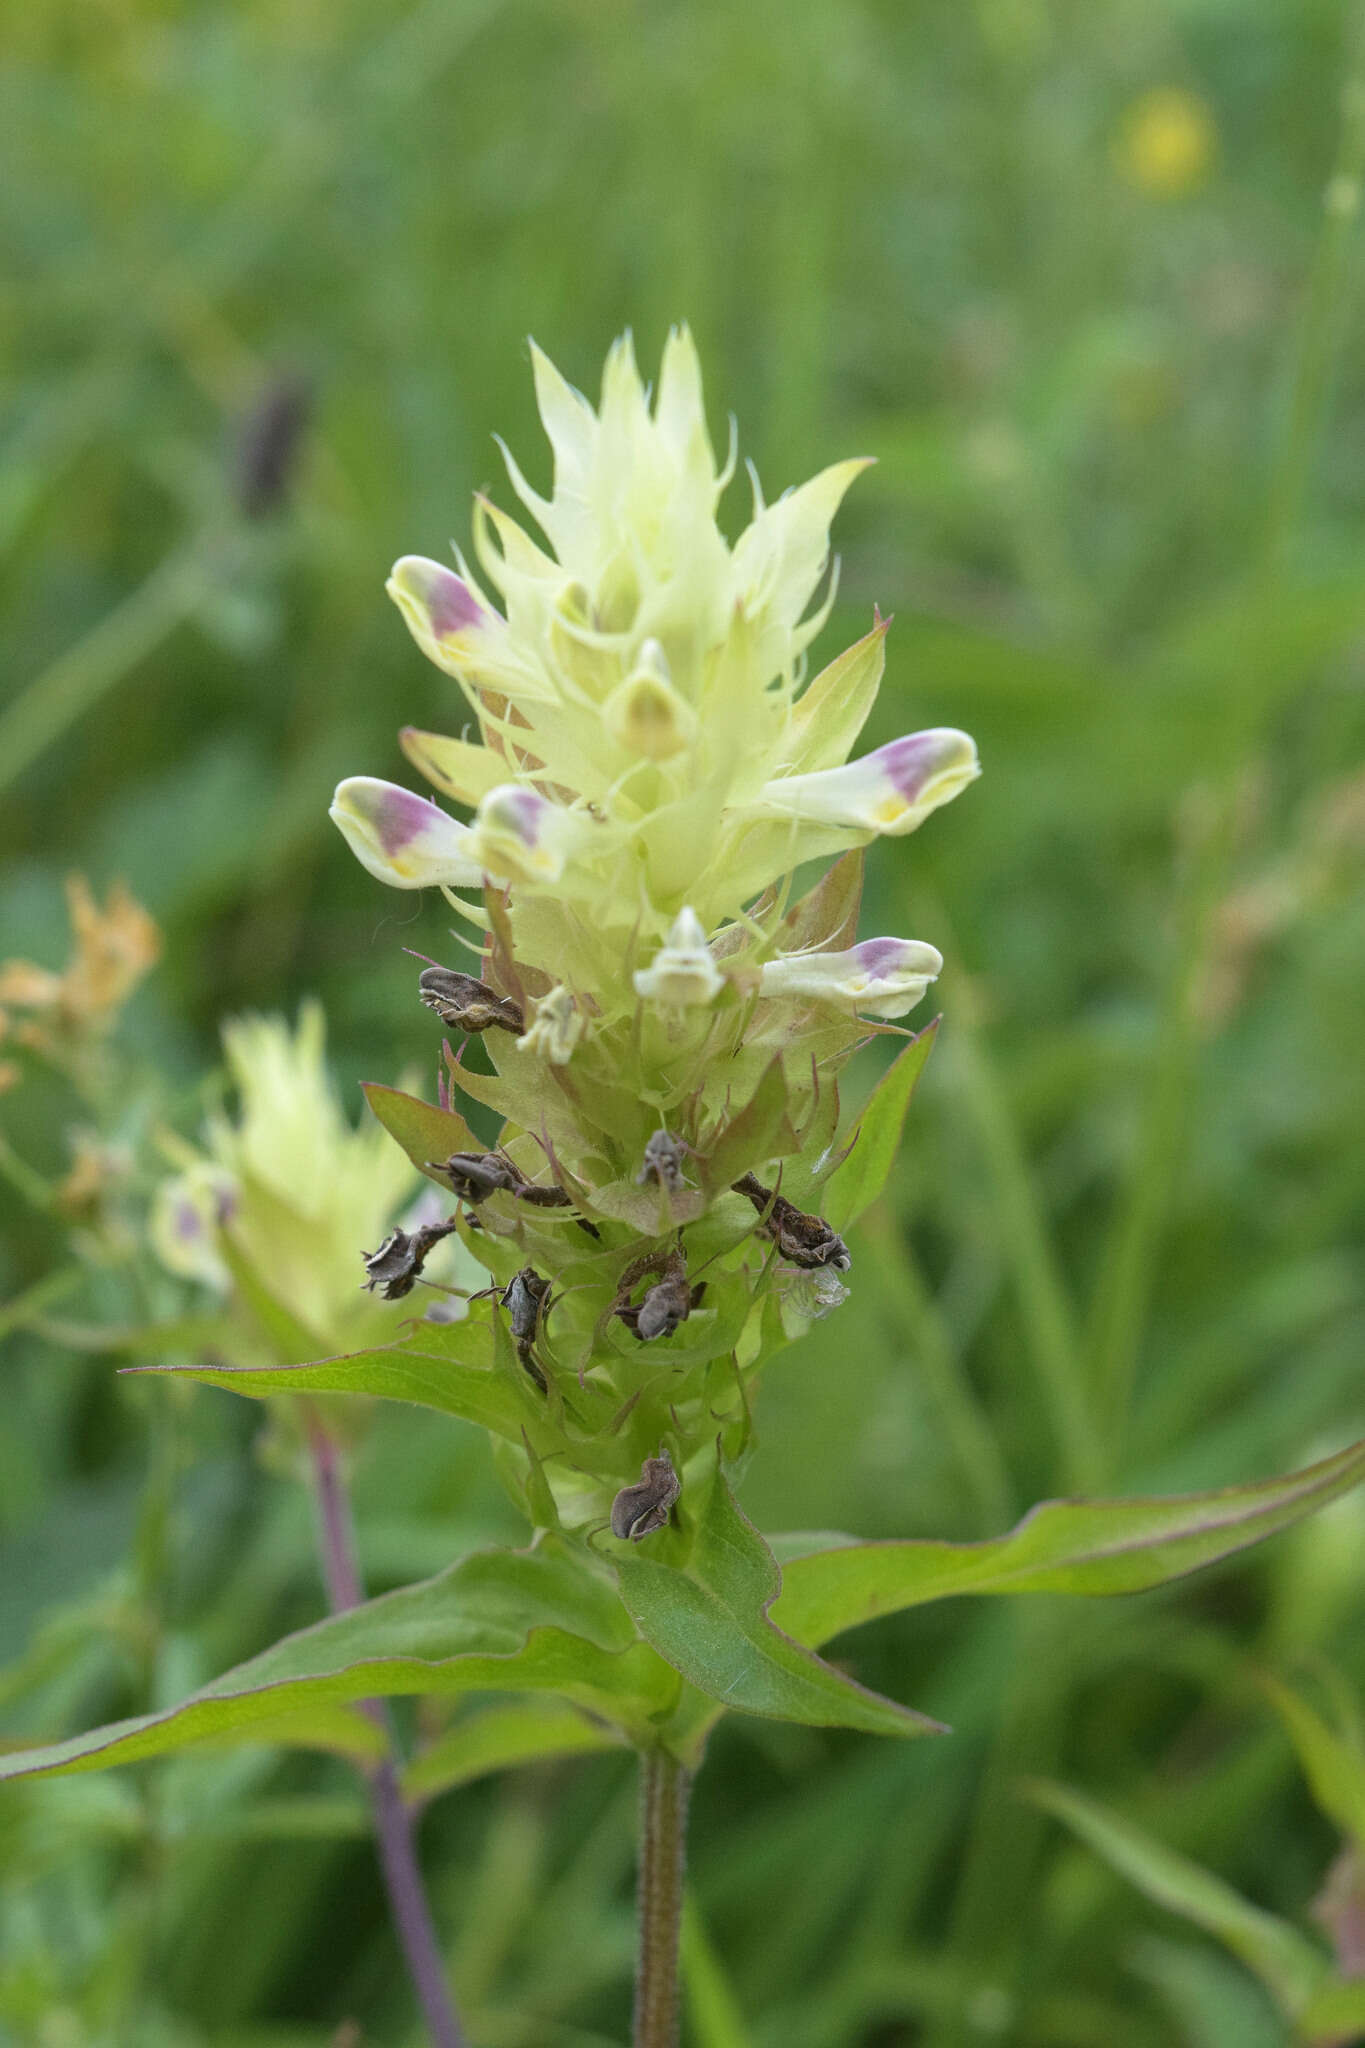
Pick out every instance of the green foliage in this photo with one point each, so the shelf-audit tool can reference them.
(707, 1613)
(1090, 1547)
(1289, 1966)
(909, 232)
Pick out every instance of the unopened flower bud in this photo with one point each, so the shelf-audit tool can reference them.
(639, 1510)
(438, 607)
(403, 839)
(891, 791)
(886, 977)
(520, 836)
(645, 714)
(556, 1028)
(682, 972)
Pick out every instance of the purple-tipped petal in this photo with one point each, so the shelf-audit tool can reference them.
(401, 838)
(890, 791)
(521, 836)
(885, 977)
(440, 609)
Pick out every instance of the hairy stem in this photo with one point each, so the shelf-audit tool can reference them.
(392, 1821)
(664, 1786)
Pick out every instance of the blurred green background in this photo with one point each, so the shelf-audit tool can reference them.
(1081, 277)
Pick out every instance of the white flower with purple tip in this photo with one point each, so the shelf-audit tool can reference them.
(886, 977)
(403, 839)
(682, 972)
(891, 791)
(438, 606)
(520, 836)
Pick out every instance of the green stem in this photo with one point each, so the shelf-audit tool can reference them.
(1046, 1313)
(664, 1786)
(940, 1370)
(1320, 333)
(74, 683)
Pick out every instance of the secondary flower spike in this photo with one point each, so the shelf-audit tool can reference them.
(402, 838)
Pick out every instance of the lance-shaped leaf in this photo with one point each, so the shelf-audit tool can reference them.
(827, 915)
(1290, 1966)
(1334, 2016)
(447, 1366)
(709, 1617)
(424, 1131)
(855, 1186)
(828, 717)
(1334, 1767)
(500, 1737)
(761, 1131)
(1061, 1546)
(287, 1332)
(498, 1621)
(456, 767)
(340, 1729)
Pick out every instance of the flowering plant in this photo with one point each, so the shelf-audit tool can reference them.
(665, 1206)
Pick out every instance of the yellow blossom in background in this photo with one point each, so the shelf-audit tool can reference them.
(114, 946)
(1167, 142)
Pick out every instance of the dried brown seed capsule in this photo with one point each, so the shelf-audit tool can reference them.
(662, 1162)
(639, 1510)
(668, 1302)
(805, 1240)
(397, 1265)
(526, 1298)
(476, 1175)
(464, 1004)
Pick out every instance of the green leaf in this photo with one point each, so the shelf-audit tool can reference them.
(500, 1737)
(1333, 1767)
(543, 1620)
(447, 1366)
(827, 915)
(1061, 1546)
(759, 1132)
(317, 1724)
(828, 717)
(1289, 1966)
(713, 2008)
(709, 1618)
(856, 1184)
(459, 768)
(424, 1131)
(285, 1330)
(1335, 2015)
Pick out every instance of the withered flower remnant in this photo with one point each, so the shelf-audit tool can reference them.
(805, 1240)
(397, 1265)
(464, 1003)
(639, 1510)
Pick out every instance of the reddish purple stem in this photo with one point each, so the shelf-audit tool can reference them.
(392, 1821)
